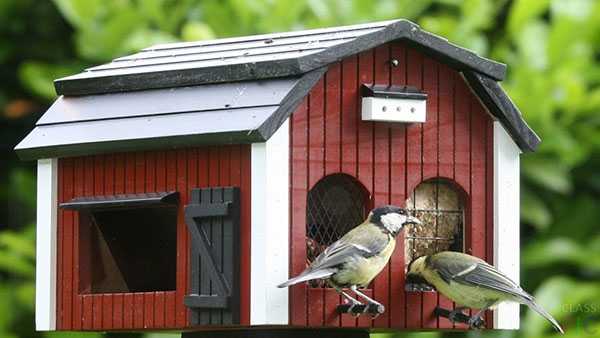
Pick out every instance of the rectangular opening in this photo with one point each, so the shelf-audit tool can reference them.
(130, 248)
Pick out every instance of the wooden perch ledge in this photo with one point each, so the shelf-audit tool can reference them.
(359, 309)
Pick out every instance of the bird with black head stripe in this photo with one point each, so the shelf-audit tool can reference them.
(358, 257)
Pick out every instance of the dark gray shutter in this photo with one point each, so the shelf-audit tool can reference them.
(213, 219)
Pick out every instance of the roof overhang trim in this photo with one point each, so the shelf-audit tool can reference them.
(169, 198)
(395, 92)
(495, 99)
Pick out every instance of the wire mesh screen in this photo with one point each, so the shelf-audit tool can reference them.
(440, 207)
(336, 204)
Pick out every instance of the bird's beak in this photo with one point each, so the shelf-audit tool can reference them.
(412, 220)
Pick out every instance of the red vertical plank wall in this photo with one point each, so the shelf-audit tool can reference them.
(414, 173)
(140, 172)
(390, 160)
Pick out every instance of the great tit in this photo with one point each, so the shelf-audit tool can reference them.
(355, 259)
(471, 283)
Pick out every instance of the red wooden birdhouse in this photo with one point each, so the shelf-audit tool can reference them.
(179, 185)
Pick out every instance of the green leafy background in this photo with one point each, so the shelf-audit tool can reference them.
(552, 48)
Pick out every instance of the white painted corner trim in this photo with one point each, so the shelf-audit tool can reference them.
(506, 220)
(269, 246)
(45, 267)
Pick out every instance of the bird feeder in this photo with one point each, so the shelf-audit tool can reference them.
(179, 185)
(393, 104)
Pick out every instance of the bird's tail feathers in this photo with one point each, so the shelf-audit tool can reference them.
(307, 275)
(535, 307)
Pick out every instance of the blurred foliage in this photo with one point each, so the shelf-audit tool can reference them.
(552, 48)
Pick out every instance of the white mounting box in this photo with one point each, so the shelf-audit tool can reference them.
(393, 109)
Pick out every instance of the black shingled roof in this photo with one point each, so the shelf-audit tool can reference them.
(222, 113)
(235, 90)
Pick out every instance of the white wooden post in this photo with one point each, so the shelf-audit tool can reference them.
(506, 220)
(269, 259)
(45, 271)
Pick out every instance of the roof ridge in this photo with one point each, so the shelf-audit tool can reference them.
(258, 37)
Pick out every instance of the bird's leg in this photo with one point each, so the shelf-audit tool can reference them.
(379, 306)
(353, 301)
(453, 313)
(349, 299)
(344, 294)
(354, 289)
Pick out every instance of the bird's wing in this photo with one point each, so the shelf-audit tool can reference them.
(469, 270)
(349, 248)
(339, 253)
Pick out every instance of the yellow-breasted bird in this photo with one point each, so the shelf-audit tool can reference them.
(355, 259)
(471, 283)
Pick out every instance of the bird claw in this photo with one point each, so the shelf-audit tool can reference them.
(452, 315)
(352, 305)
(476, 322)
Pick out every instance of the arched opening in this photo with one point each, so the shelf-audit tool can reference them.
(336, 204)
(439, 204)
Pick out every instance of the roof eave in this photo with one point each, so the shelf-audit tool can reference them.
(503, 108)
(172, 142)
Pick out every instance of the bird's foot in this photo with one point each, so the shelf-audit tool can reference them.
(353, 304)
(452, 315)
(476, 322)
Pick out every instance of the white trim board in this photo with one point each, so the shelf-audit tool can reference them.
(270, 229)
(45, 267)
(506, 220)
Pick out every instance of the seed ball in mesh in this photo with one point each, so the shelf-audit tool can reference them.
(439, 207)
